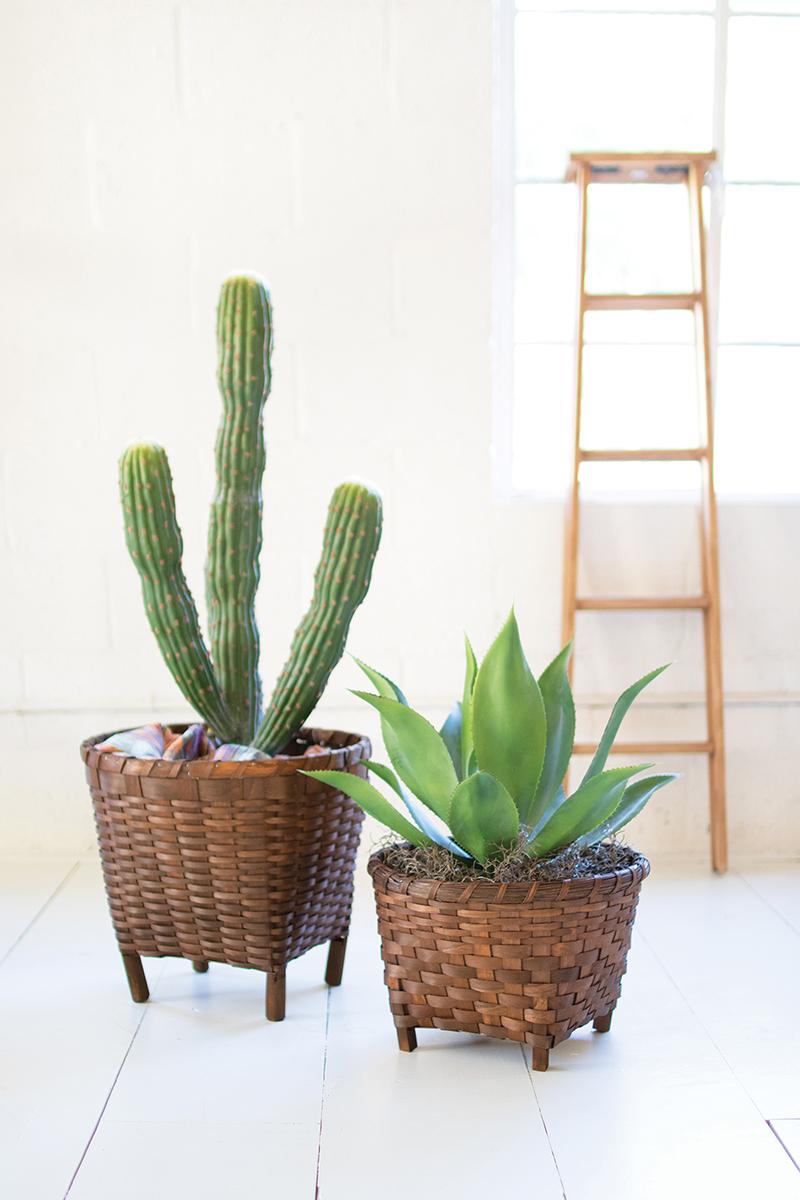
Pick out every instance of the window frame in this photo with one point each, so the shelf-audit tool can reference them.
(504, 183)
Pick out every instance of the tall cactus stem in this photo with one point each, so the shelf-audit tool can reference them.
(350, 543)
(244, 338)
(156, 547)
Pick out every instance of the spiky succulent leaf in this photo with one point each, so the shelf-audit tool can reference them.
(483, 816)
(509, 727)
(467, 752)
(418, 754)
(372, 802)
(591, 804)
(618, 714)
(423, 817)
(386, 774)
(554, 804)
(451, 733)
(634, 798)
(559, 710)
(383, 685)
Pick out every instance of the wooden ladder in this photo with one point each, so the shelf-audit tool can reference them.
(688, 170)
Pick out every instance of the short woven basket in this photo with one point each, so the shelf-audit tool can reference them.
(247, 863)
(528, 962)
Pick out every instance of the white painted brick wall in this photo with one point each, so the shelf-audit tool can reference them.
(342, 149)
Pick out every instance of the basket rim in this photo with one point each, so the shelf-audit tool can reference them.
(486, 891)
(355, 747)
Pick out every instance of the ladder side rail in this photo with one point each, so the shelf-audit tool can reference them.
(570, 582)
(709, 532)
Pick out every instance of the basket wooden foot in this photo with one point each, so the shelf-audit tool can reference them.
(200, 965)
(137, 981)
(603, 1023)
(335, 964)
(276, 995)
(406, 1038)
(540, 1059)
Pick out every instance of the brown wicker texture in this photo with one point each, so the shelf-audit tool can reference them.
(528, 962)
(247, 863)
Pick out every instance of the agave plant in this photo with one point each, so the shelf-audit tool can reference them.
(492, 777)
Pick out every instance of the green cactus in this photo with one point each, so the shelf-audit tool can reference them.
(244, 339)
(228, 694)
(340, 584)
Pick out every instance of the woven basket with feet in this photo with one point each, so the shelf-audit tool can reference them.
(526, 961)
(246, 863)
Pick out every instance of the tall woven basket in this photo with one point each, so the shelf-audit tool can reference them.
(527, 962)
(246, 863)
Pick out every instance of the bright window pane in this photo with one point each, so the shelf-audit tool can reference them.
(614, 480)
(629, 96)
(763, 99)
(638, 239)
(652, 328)
(758, 419)
(760, 265)
(546, 262)
(639, 396)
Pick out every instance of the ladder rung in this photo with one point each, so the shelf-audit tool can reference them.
(601, 603)
(648, 748)
(691, 454)
(624, 301)
(666, 167)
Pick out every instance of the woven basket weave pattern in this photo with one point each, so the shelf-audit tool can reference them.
(528, 962)
(247, 863)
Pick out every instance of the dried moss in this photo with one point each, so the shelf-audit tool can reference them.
(434, 862)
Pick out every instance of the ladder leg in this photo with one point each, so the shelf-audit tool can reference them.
(572, 512)
(709, 538)
(572, 527)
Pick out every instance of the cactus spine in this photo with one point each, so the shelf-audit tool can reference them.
(244, 338)
(228, 694)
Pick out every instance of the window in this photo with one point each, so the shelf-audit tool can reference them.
(645, 75)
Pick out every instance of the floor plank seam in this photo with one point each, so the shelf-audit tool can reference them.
(42, 909)
(524, 1052)
(700, 1022)
(783, 1145)
(768, 903)
(110, 1093)
(322, 1094)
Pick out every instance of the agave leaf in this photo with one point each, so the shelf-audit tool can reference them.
(386, 774)
(509, 727)
(554, 804)
(466, 710)
(634, 798)
(451, 733)
(618, 713)
(418, 754)
(423, 817)
(372, 802)
(483, 816)
(591, 804)
(559, 710)
(383, 685)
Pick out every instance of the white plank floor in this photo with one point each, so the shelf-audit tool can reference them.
(694, 1093)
